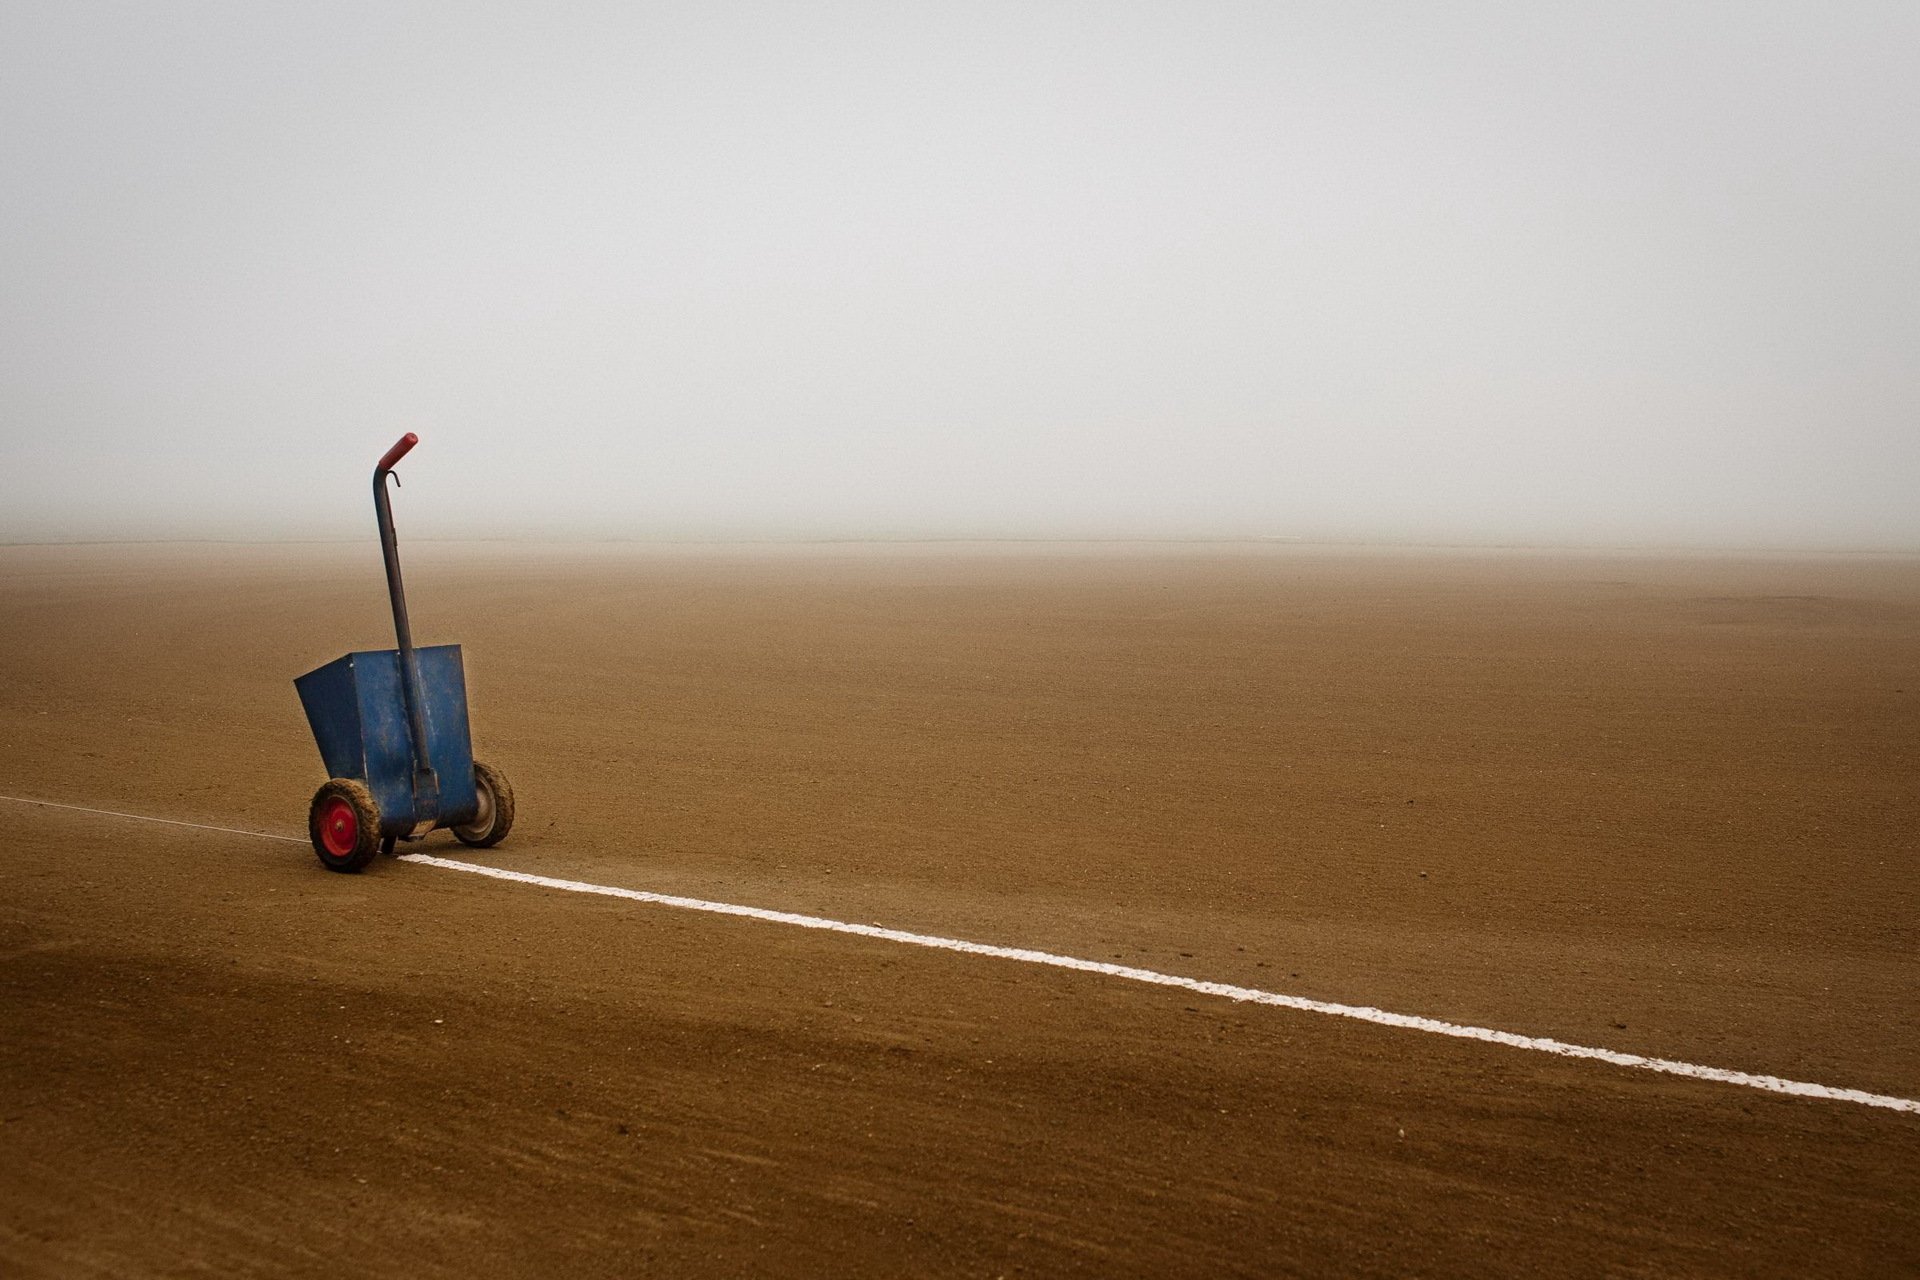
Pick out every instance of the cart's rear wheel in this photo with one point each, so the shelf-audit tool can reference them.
(344, 824)
(495, 815)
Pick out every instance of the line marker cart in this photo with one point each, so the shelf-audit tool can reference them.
(391, 725)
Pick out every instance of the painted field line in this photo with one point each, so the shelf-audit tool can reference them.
(1247, 995)
(142, 817)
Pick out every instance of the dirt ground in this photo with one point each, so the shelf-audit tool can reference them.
(1669, 805)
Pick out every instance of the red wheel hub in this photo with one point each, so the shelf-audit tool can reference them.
(339, 827)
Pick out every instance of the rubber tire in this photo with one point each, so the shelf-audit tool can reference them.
(366, 816)
(492, 786)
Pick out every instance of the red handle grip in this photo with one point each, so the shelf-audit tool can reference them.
(398, 451)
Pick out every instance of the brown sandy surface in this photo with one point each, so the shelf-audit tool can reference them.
(1662, 804)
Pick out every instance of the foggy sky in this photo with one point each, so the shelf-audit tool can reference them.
(1619, 273)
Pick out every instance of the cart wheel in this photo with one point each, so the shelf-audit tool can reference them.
(344, 824)
(495, 818)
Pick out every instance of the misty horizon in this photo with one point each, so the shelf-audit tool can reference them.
(1487, 275)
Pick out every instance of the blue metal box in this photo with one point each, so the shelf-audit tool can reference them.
(357, 709)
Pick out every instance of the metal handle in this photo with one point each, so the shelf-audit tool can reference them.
(399, 451)
(426, 785)
(389, 548)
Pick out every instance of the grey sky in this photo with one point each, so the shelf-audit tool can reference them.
(1612, 272)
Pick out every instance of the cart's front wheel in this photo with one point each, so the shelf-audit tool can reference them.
(344, 824)
(494, 818)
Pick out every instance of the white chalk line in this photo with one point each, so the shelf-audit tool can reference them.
(1246, 995)
(1249, 995)
(142, 817)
